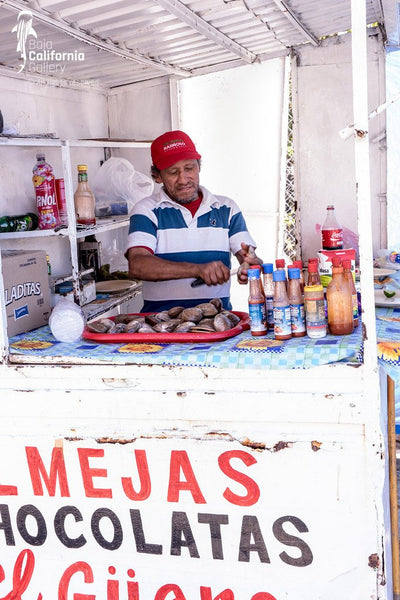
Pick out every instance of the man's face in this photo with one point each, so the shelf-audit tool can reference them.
(181, 181)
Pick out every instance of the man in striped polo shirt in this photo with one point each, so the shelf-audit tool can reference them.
(183, 232)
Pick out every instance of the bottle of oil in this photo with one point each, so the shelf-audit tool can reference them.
(84, 199)
(347, 274)
(339, 301)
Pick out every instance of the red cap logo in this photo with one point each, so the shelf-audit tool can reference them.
(171, 147)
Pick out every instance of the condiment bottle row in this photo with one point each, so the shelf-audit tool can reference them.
(294, 308)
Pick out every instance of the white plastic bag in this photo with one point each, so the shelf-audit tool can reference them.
(117, 186)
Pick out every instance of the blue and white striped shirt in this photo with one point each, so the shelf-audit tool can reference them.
(169, 230)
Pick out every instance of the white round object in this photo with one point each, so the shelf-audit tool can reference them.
(67, 321)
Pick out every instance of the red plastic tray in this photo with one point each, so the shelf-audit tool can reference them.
(169, 337)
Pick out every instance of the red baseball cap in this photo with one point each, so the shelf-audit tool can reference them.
(171, 147)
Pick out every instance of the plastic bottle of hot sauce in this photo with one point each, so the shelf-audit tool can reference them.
(282, 318)
(257, 310)
(339, 301)
(348, 276)
(296, 302)
(268, 283)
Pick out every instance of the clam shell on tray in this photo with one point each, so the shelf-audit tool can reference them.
(206, 317)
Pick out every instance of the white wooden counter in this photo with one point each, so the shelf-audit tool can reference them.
(189, 482)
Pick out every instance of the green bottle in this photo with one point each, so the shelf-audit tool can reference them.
(25, 222)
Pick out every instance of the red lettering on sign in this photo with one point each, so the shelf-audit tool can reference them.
(88, 473)
(8, 490)
(57, 470)
(205, 594)
(253, 491)
(22, 575)
(78, 567)
(166, 589)
(144, 476)
(180, 460)
(262, 596)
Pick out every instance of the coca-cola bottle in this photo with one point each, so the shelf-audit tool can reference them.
(332, 232)
(46, 199)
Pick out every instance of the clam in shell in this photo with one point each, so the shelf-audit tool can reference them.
(217, 303)
(208, 309)
(191, 314)
(184, 327)
(145, 328)
(133, 326)
(117, 328)
(97, 327)
(167, 326)
(175, 311)
(222, 323)
(234, 319)
(162, 316)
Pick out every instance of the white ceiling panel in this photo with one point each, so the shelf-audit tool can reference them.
(110, 43)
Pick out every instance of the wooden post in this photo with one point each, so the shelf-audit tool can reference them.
(394, 514)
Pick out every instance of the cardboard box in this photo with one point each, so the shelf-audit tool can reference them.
(325, 262)
(26, 289)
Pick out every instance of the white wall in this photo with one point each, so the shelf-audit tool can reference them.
(325, 161)
(393, 144)
(234, 117)
(140, 111)
(30, 108)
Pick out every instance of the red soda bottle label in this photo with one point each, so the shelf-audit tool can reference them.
(46, 199)
(332, 239)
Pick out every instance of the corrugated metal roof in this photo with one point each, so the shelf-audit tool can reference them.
(112, 43)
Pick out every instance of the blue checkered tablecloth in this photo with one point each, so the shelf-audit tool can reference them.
(388, 344)
(240, 352)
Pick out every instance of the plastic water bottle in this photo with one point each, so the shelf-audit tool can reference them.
(67, 321)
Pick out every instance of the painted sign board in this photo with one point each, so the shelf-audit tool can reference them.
(186, 519)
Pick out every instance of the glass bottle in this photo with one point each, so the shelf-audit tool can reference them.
(348, 275)
(282, 318)
(268, 281)
(331, 231)
(257, 310)
(296, 303)
(313, 277)
(25, 222)
(339, 301)
(84, 199)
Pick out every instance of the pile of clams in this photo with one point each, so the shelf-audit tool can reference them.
(206, 317)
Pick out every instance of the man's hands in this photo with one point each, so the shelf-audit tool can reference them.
(143, 265)
(246, 257)
(214, 272)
